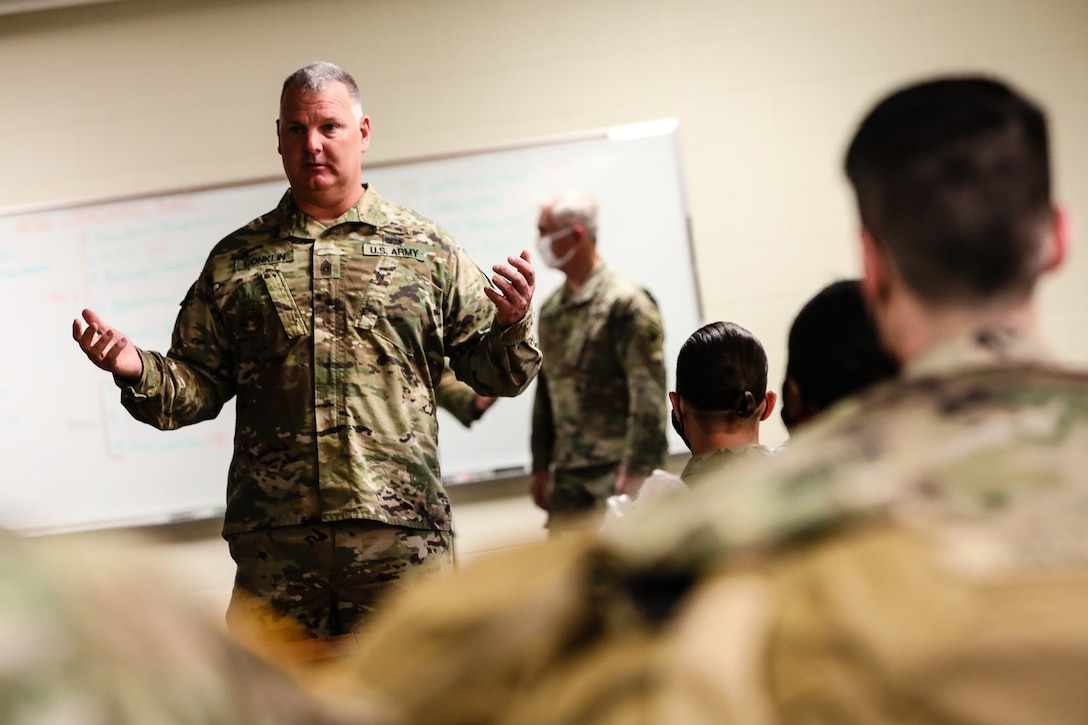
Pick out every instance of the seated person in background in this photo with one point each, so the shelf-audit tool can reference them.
(91, 634)
(833, 352)
(721, 398)
(918, 556)
(460, 400)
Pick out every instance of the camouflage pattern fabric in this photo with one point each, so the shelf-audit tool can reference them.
(916, 556)
(578, 496)
(708, 465)
(281, 581)
(600, 398)
(457, 398)
(92, 635)
(332, 337)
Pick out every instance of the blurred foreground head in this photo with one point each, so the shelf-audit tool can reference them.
(952, 179)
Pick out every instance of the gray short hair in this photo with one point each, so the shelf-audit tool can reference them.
(317, 77)
(574, 207)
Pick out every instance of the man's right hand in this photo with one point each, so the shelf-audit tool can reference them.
(107, 348)
(539, 488)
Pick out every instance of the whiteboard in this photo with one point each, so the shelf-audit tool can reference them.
(76, 460)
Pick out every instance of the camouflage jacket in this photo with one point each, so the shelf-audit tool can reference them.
(600, 397)
(457, 398)
(333, 338)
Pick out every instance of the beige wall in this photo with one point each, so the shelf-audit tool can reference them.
(153, 95)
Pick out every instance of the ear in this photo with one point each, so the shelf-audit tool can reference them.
(364, 129)
(874, 277)
(1059, 239)
(772, 398)
(279, 146)
(674, 400)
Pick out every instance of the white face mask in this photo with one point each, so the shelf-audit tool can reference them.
(547, 253)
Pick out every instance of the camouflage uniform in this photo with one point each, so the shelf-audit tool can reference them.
(707, 465)
(458, 399)
(600, 398)
(333, 337)
(285, 564)
(917, 556)
(91, 635)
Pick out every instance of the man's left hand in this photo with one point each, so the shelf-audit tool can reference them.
(514, 285)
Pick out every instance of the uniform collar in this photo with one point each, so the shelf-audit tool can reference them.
(591, 286)
(712, 460)
(296, 223)
(984, 347)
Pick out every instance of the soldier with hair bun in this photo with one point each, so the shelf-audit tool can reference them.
(721, 398)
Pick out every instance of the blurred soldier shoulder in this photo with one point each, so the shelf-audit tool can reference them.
(92, 633)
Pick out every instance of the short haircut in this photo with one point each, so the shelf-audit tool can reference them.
(722, 368)
(317, 77)
(573, 207)
(833, 349)
(952, 178)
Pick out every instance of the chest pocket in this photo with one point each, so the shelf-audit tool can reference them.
(294, 325)
(400, 305)
(262, 314)
(373, 303)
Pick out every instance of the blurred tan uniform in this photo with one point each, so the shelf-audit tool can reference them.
(90, 635)
(925, 591)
